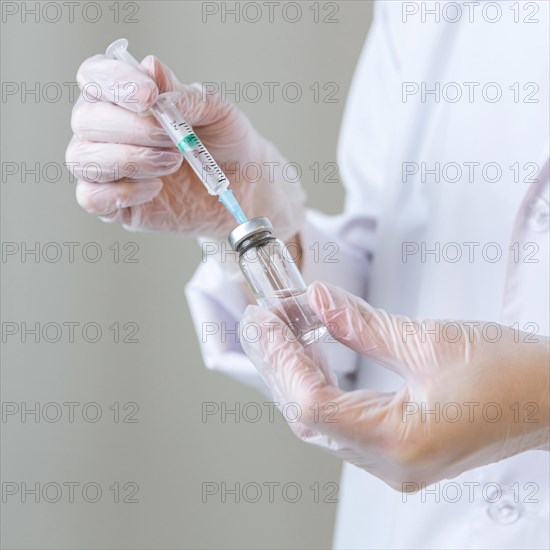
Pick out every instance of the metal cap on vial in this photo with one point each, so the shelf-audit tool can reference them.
(248, 230)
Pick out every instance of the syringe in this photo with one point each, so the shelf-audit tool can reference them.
(184, 138)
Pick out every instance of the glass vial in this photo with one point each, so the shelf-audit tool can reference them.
(274, 279)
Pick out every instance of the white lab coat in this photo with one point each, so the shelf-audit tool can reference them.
(381, 131)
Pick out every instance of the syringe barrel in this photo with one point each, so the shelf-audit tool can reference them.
(170, 118)
(189, 144)
(180, 132)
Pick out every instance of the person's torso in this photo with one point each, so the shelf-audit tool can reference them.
(463, 234)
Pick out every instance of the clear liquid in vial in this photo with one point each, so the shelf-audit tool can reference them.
(294, 309)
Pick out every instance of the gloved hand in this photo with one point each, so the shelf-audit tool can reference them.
(142, 181)
(488, 382)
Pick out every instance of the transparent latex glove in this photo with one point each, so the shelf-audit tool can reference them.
(456, 367)
(130, 172)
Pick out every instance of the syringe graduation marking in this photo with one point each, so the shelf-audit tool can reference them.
(192, 143)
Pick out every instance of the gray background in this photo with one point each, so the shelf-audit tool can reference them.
(169, 453)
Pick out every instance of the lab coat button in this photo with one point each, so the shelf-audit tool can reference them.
(539, 214)
(505, 511)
